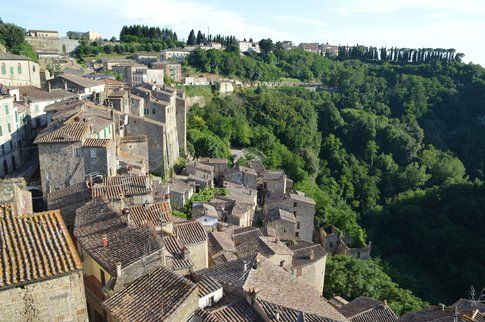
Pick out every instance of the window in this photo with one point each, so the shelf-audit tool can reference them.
(4, 69)
(92, 153)
(331, 244)
(1, 133)
(33, 68)
(298, 225)
(7, 111)
(16, 116)
(36, 108)
(297, 234)
(19, 68)
(295, 204)
(11, 70)
(9, 127)
(153, 111)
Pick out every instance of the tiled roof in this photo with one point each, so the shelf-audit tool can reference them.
(74, 193)
(34, 247)
(176, 250)
(445, 314)
(156, 214)
(9, 56)
(258, 166)
(119, 186)
(190, 232)
(274, 285)
(273, 175)
(212, 161)
(364, 309)
(280, 313)
(299, 196)
(302, 253)
(126, 244)
(279, 214)
(81, 81)
(35, 94)
(96, 143)
(236, 311)
(64, 134)
(152, 297)
(207, 286)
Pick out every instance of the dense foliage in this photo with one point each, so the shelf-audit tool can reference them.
(351, 278)
(382, 134)
(13, 38)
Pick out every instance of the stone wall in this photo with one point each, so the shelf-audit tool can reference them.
(61, 165)
(56, 299)
(181, 115)
(199, 255)
(49, 44)
(155, 132)
(313, 274)
(187, 309)
(283, 229)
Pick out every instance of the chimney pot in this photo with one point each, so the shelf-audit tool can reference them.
(118, 269)
(385, 302)
(312, 254)
(104, 240)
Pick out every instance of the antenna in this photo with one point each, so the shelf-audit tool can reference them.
(473, 296)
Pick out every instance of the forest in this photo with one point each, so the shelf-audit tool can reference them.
(392, 155)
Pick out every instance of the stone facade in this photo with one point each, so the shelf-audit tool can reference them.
(198, 254)
(335, 242)
(313, 274)
(10, 136)
(57, 299)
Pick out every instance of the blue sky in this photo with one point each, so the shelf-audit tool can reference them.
(402, 23)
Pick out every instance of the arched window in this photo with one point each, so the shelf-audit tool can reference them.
(4, 69)
(19, 68)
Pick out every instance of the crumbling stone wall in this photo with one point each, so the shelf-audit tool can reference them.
(56, 299)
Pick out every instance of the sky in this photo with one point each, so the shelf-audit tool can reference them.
(458, 24)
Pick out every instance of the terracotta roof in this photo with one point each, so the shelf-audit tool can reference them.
(120, 186)
(176, 250)
(274, 285)
(156, 214)
(126, 244)
(81, 81)
(236, 311)
(96, 143)
(302, 253)
(152, 297)
(280, 313)
(34, 247)
(74, 193)
(35, 94)
(364, 309)
(64, 134)
(207, 286)
(465, 309)
(190, 232)
(94, 286)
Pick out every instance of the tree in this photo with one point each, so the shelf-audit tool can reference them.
(12, 36)
(200, 38)
(266, 46)
(350, 277)
(191, 41)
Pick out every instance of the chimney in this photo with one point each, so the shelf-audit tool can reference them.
(442, 306)
(246, 265)
(118, 269)
(385, 302)
(312, 254)
(127, 213)
(104, 240)
(277, 316)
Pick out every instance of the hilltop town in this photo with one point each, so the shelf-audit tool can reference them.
(108, 214)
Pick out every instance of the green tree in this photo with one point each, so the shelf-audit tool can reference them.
(191, 40)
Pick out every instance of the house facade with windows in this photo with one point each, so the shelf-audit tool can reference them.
(16, 70)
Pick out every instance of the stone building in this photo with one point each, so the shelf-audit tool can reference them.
(263, 282)
(18, 70)
(13, 191)
(220, 166)
(76, 145)
(193, 236)
(224, 86)
(280, 223)
(461, 311)
(336, 242)
(180, 192)
(161, 294)
(37, 100)
(43, 33)
(241, 175)
(364, 309)
(302, 207)
(172, 70)
(274, 182)
(174, 54)
(145, 58)
(82, 86)
(40, 281)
